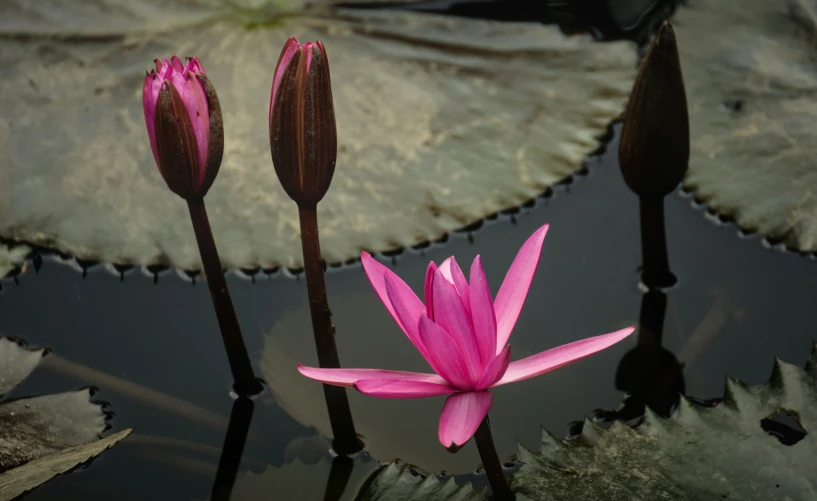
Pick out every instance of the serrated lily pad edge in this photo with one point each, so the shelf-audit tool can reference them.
(467, 231)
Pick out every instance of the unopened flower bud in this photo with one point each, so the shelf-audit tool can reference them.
(654, 149)
(302, 132)
(184, 125)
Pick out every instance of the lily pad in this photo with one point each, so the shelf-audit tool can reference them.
(701, 453)
(400, 481)
(441, 122)
(43, 436)
(751, 81)
(20, 480)
(11, 258)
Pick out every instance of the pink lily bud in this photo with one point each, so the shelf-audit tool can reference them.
(183, 119)
(302, 132)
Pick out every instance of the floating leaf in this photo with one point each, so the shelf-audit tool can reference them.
(15, 482)
(11, 258)
(398, 481)
(43, 436)
(750, 77)
(701, 453)
(17, 361)
(441, 122)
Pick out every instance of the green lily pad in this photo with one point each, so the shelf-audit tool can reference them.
(11, 258)
(701, 453)
(43, 436)
(441, 122)
(751, 80)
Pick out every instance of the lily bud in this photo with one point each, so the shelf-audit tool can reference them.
(654, 149)
(183, 119)
(302, 132)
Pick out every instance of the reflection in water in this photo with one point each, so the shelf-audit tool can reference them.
(338, 480)
(234, 441)
(649, 373)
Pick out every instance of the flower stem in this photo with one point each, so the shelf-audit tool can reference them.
(245, 382)
(231, 453)
(656, 272)
(491, 463)
(340, 416)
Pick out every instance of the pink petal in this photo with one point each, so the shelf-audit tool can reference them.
(461, 416)
(445, 356)
(348, 377)
(560, 356)
(428, 290)
(377, 274)
(482, 313)
(150, 96)
(511, 295)
(289, 50)
(451, 270)
(194, 66)
(191, 91)
(398, 388)
(177, 65)
(451, 316)
(495, 369)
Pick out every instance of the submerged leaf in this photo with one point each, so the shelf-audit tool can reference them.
(16, 482)
(441, 122)
(751, 80)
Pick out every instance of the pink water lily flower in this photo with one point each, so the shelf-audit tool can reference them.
(462, 333)
(184, 125)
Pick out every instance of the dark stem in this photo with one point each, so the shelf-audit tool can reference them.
(245, 382)
(338, 480)
(231, 453)
(656, 272)
(340, 416)
(491, 463)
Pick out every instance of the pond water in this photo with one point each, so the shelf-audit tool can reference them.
(155, 354)
(151, 345)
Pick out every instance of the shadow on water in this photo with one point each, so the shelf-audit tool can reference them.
(155, 353)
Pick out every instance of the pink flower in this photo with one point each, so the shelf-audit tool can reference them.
(183, 120)
(302, 130)
(462, 333)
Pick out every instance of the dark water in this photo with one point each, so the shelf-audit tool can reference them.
(155, 353)
(738, 304)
